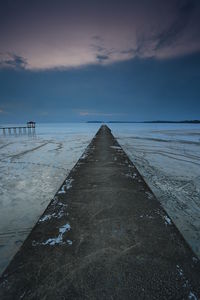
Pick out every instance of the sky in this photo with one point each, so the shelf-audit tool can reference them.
(80, 60)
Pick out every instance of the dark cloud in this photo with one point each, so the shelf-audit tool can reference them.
(102, 58)
(12, 61)
(98, 48)
(171, 34)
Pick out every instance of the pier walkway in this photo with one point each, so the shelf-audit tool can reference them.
(18, 130)
(103, 236)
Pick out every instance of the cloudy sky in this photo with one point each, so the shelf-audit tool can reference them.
(79, 60)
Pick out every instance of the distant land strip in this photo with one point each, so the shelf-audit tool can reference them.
(158, 121)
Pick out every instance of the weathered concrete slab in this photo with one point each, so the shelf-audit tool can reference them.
(103, 236)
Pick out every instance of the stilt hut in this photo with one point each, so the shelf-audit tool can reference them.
(31, 124)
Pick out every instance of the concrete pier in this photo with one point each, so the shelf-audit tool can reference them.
(103, 236)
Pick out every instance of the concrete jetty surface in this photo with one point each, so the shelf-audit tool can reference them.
(103, 236)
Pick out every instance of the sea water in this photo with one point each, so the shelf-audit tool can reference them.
(32, 168)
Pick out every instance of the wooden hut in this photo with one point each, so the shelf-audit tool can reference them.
(31, 124)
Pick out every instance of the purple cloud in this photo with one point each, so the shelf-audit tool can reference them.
(68, 35)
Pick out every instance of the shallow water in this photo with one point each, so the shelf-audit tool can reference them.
(32, 168)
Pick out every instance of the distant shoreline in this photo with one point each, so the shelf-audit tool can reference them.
(151, 122)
